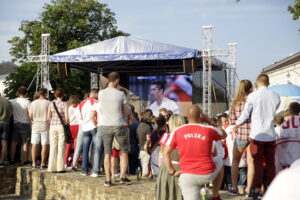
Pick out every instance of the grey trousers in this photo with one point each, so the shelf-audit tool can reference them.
(191, 184)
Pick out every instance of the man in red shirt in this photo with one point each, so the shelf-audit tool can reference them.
(194, 142)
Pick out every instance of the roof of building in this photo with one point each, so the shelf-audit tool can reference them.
(282, 63)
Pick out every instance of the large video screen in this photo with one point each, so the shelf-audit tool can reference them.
(179, 88)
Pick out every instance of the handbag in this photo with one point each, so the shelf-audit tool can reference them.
(67, 131)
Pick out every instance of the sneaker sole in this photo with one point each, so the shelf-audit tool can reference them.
(126, 183)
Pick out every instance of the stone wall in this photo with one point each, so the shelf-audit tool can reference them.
(43, 185)
(7, 180)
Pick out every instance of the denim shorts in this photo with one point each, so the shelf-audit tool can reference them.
(22, 132)
(241, 143)
(4, 131)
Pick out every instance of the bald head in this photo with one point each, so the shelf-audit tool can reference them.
(193, 114)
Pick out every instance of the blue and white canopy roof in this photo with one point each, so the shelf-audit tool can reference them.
(286, 90)
(124, 49)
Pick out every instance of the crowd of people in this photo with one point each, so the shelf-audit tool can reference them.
(240, 150)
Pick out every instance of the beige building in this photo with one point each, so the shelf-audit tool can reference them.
(285, 71)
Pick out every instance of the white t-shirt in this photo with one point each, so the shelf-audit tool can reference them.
(85, 108)
(110, 105)
(39, 110)
(229, 143)
(20, 107)
(74, 114)
(166, 103)
(288, 142)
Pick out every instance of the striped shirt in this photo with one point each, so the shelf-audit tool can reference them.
(244, 129)
(61, 105)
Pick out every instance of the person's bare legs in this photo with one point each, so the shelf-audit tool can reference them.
(25, 151)
(3, 150)
(107, 167)
(250, 171)
(237, 154)
(45, 150)
(34, 152)
(123, 164)
(113, 167)
(13, 147)
(217, 183)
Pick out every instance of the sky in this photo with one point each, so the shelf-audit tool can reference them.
(264, 30)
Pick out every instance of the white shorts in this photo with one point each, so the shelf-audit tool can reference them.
(38, 137)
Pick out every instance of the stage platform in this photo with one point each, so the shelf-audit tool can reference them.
(25, 183)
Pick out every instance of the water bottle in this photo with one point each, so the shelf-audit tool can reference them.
(138, 174)
(204, 193)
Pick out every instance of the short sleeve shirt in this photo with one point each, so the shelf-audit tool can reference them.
(110, 108)
(61, 105)
(74, 114)
(38, 110)
(166, 103)
(20, 107)
(85, 108)
(194, 143)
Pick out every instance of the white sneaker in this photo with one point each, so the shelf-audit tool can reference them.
(94, 175)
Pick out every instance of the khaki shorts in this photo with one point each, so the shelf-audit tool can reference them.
(38, 137)
(108, 134)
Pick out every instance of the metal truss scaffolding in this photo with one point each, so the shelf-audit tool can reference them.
(207, 54)
(43, 74)
(94, 80)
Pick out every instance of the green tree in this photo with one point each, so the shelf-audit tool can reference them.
(71, 24)
(295, 10)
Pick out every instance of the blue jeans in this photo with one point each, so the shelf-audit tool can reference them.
(88, 138)
(97, 150)
(78, 147)
(241, 179)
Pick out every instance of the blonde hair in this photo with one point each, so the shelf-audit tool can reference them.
(245, 88)
(175, 121)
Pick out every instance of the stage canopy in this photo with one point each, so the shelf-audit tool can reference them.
(131, 55)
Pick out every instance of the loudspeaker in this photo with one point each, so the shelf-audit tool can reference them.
(63, 69)
(189, 66)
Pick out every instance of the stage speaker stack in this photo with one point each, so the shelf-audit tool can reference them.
(189, 66)
(63, 69)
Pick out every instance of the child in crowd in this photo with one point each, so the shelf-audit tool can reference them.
(277, 123)
(73, 111)
(152, 144)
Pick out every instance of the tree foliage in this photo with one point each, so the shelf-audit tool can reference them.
(295, 10)
(71, 24)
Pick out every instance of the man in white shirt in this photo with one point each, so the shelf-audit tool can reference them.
(89, 132)
(261, 106)
(157, 92)
(40, 127)
(22, 129)
(112, 108)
